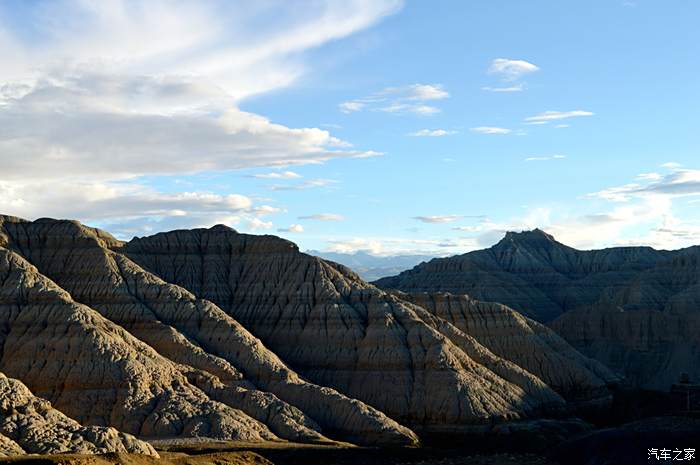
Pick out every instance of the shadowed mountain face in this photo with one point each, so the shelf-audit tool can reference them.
(158, 337)
(29, 424)
(635, 309)
(339, 331)
(111, 344)
(532, 273)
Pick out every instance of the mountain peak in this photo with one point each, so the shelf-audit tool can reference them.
(535, 237)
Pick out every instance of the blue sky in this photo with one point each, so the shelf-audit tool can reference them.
(386, 126)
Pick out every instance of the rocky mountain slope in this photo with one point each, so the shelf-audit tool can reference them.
(148, 357)
(635, 309)
(339, 331)
(215, 334)
(29, 424)
(526, 342)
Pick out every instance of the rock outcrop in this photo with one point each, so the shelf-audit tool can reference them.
(530, 272)
(635, 309)
(160, 363)
(29, 424)
(339, 331)
(525, 342)
(95, 371)
(211, 333)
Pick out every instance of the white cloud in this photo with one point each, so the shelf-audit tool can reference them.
(107, 92)
(294, 228)
(424, 110)
(545, 158)
(469, 229)
(323, 217)
(311, 183)
(490, 130)
(671, 165)
(410, 99)
(679, 183)
(264, 210)
(126, 209)
(438, 219)
(514, 88)
(547, 116)
(432, 133)
(351, 106)
(511, 69)
(277, 175)
(255, 224)
(417, 92)
(648, 177)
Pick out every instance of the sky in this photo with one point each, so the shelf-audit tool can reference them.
(378, 125)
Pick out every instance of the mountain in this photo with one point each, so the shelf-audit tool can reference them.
(528, 343)
(339, 331)
(531, 272)
(635, 309)
(29, 424)
(371, 267)
(214, 334)
(148, 357)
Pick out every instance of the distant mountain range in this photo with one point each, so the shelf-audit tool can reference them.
(370, 266)
(636, 309)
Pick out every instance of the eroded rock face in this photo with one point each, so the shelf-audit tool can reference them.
(339, 331)
(530, 272)
(29, 424)
(207, 373)
(523, 341)
(635, 309)
(95, 371)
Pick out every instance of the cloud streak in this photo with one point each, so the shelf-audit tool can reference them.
(551, 115)
(323, 217)
(409, 99)
(432, 133)
(510, 70)
(490, 130)
(98, 95)
(438, 219)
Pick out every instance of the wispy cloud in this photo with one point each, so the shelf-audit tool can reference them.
(671, 165)
(547, 116)
(490, 130)
(511, 70)
(679, 183)
(410, 99)
(432, 133)
(514, 88)
(545, 158)
(438, 219)
(158, 87)
(277, 175)
(323, 217)
(648, 176)
(351, 106)
(255, 224)
(311, 183)
(470, 229)
(294, 228)
(264, 210)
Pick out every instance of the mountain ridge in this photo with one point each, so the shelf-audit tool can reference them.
(617, 305)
